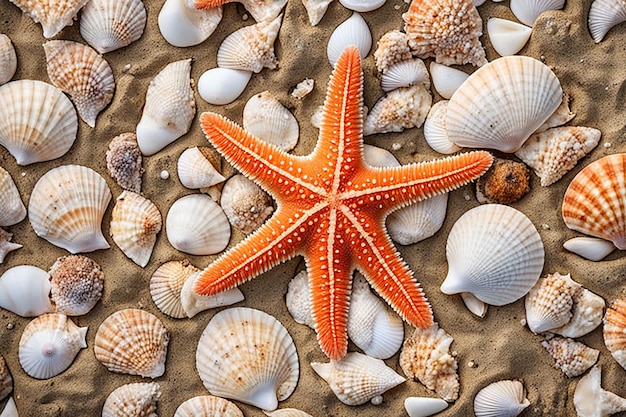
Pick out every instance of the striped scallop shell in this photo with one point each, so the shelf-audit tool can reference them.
(527, 11)
(353, 31)
(66, 208)
(494, 252)
(614, 330)
(405, 74)
(37, 121)
(53, 15)
(124, 162)
(108, 25)
(83, 74)
(196, 167)
(245, 204)
(12, 210)
(265, 117)
(166, 285)
(435, 132)
(77, 284)
(603, 15)
(6, 381)
(247, 355)
(399, 109)
(134, 342)
(571, 357)
(502, 103)
(6, 246)
(207, 406)
(501, 399)
(25, 290)
(133, 400)
(8, 59)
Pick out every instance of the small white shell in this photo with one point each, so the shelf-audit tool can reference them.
(6, 245)
(353, 31)
(222, 85)
(392, 47)
(446, 80)
(182, 24)
(77, 284)
(265, 117)
(405, 74)
(53, 15)
(12, 210)
(501, 399)
(6, 380)
(424, 406)
(474, 305)
(603, 15)
(207, 406)
(573, 358)
(133, 400)
(400, 109)
(362, 6)
(124, 162)
(303, 88)
(527, 11)
(591, 248)
(193, 303)
(8, 59)
(245, 204)
(196, 170)
(10, 410)
(25, 291)
(435, 132)
(590, 400)
(506, 36)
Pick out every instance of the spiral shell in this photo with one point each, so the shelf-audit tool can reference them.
(207, 406)
(133, 400)
(77, 283)
(12, 210)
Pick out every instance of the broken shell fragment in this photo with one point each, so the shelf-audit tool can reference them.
(6, 245)
(571, 357)
(590, 400)
(506, 36)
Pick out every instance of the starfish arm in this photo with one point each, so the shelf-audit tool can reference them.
(209, 4)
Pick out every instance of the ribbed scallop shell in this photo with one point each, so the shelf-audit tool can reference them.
(501, 399)
(37, 121)
(502, 103)
(435, 132)
(494, 252)
(392, 47)
(573, 358)
(507, 37)
(166, 284)
(49, 345)
(196, 169)
(207, 406)
(8, 59)
(550, 301)
(6, 245)
(247, 355)
(6, 381)
(182, 24)
(12, 210)
(265, 117)
(108, 25)
(133, 400)
(245, 204)
(603, 15)
(53, 15)
(134, 342)
(83, 74)
(287, 412)
(77, 284)
(418, 221)
(24, 290)
(66, 208)
(405, 74)
(400, 109)
(590, 400)
(614, 330)
(353, 31)
(527, 11)
(124, 162)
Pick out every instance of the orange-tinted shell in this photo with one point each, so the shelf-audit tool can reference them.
(614, 330)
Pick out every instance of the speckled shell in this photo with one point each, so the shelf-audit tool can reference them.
(133, 400)
(245, 204)
(614, 330)
(527, 11)
(53, 15)
(265, 117)
(166, 285)
(196, 169)
(12, 210)
(77, 284)
(207, 406)
(247, 355)
(6, 381)
(500, 399)
(603, 15)
(392, 47)
(66, 208)
(37, 121)
(550, 301)
(400, 109)
(405, 74)
(24, 290)
(573, 358)
(8, 59)
(353, 31)
(132, 341)
(6, 245)
(124, 162)
(435, 132)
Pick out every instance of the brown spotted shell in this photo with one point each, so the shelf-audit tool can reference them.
(77, 283)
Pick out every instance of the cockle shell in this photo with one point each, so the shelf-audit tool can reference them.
(261, 10)
(590, 400)
(49, 345)
(82, 73)
(501, 399)
(132, 341)
(133, 400)
(66, 208)
(12, 210)
(6, 245)
(53, 15)
(353, 31)
(247, 355)
(222, 85)
(316, 9)
(435, 132)
(108, 25)
(527, 11)
(400, 109)
(37, 121)
(573, 358)
(196, 167)
(614, 330)
(207, 406)
(182, 24)
(446, 80)
(77, 284)
(502, 103)
(8, 59)
(392, 47)
(6, 381)
(506, 36)
(603, 15)
(265, 117)
(169, 108)
(245, 204)
(506, 182)
(25, 290)
(424, 406)
(425, 356)
(405, 74)
(124, 162)
(287, 412)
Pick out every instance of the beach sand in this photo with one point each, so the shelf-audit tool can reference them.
(499, 345)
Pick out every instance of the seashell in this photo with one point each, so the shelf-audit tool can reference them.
(169, 108)
(447, 30)
(423, 406)
(353, 31)
(393, 47)
(495, 253)
(550, 301)
(501, 399)
(298, 301)
(303, 88)
(6, 245)
(195, 224)
(405, 74)
(481, 2)
(586, 314)
(193, 303)
(108, 25)
(590, 400)
(362, 6)
(357, 378)
(287, 412)
(400, 109)
(181, 24)
(435, 132)
(49, 345)
(603, 15)
(506, 182)
(24, 290)
(124, 162)
(245, 204)
(8, 59)
(425, 356)
(474, 305)
(166, 284)
(247, 355)
(77, 284)
(222, 85)
(507, 37)
(527, 94)
(527, 11)
(261, 10)
(66, 208)
(10, 410)
(134, 342)
(195, 168)
(138, 399)
(250, 48)
(573, 358)
(552, 153)
(37, 121)
(446, 80)
(561, 115)
(207, 406)
(6, 381)
(590, 248)
(379, 157)
(614, 330)
(53, 15)
(12, 210)
(266, 118)
(316, 9)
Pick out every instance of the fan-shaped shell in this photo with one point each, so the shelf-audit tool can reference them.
(573, 358)
(8, 59)
(405, 74)
(196, 169)
(353, 31)
(166, 285)
(247, 355)
(392, 47)
(66, 208)
(12, 210)
(37, 121)
(435, 132)
(6, 381)
(182, 24)
(53, 15)
(207, 406)
(245, 204)
(614, 330)
(133, 400)
(265, 117)
(446, 80)
(77, 284)
(550, 301)
(527, 11)
(132, 341)
(298, 300)
(400, 109)
(6, 245)
(500, 399)
(502, 103)
(603, 15)
(25, 290)
(124, 162)
(506, 36)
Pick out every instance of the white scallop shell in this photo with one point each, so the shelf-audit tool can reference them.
(182, 24)
(435, 132)
(193, 303)
(195, 169)
(424, 406)
(12, 210)
(247, 355)
(316, 9)
(222, 85)
(265, 117)
(603, 15)
(207, 406)
(37, 121)
(353, 31)
(590, 400)
(446, 80)
(6, 380)
(405, 74)
(495, 252)
(379, 157)
(133, 400)
(245, 204)
(507, 37)
(10, 410)
(25, 291)
(501, 399)
(169, 108)
(571, 357)
(399, 109)
(8, 59)
(124, 160)
(362, 6)
(53, 15)
(77, 284)
(527, 11)
(591, 248)
(6, 246)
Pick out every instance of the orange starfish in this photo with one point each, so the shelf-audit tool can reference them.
(331, 208)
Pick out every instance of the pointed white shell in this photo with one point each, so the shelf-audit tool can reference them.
(10, 410)
(133, 400)
(435, 132)
(446, 80)
(195, 170)
(474, 305)
(399, 109)
(405, 74)
(222, 85)
(362, 6)
(501, 399)
(603, 15)
(8, 59)
(182, 25)
(353, 31)
(265, 117)
(424, 406)
(193, 303)
(245, 204)
(590, 400)
(527, 11)
(207, 406)
(12, 210)
(590, 248)
(506, 36)
(25, 291)
(53, 15)
(6, 246)
(77, 284)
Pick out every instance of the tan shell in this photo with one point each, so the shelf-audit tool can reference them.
(266, 118)
(53, 15)
(12, 210)
(245, 204)
(392, 47)
(196, 167)
(614, 330)
(133, 400)
(77, 284)
(207, 406)
(132, 341)
(8, 59)
(506, 182)
(400, 109)
(124, 162)
(166, 285)
(573, 358)
(6, 245)
(6, 381)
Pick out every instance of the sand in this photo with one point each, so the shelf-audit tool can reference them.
(499, 345)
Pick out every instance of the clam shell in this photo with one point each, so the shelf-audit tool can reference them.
(124, 162)
(527, 11)
(6, 245)
(501, 399)
(435, 132)
(614, 330)
(132, 341)
(590, 400)
(245, 204)
(8, 59)
(603, 15)
(423, 406)
(193, 303)
(6, 381)
(573, 358)
(247, 355)
(130, 400)
(37, 121)
(590, 248)
(400, 109)
(196, 169)
(166, 284)
(182, 24)
(49, 345)
(265, 117)
(261, 10)
(207, 406)
(446, 80)
(392, 47)
(53, 15)
(506, 182)
(77, 284)
(353, 31)
(12, 210)
(287, 412)
(550, 301)
(66, 208)
(506, 36)
(25, 290)
(316, 9)
(501, 104)
(222, 85)
(405, 74)
(362, 6)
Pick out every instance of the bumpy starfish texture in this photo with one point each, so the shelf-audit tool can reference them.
(331, 208)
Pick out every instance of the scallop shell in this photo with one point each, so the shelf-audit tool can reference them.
(6, 245)
(222, 85)
(405, 74)
(37, 121)
(573, 358)
(353, 31)
(131, 400)
(261, 10)
(196, 169)
(400, 109)
(6, 381)
(77, 284)
(207, 406)
(193, 303)
(446, 80)
(24, 290)
(424, 406)
(614, 330)
(506, 182)
(49, 345)
(501, 104)
(182, 24)
(12, 210)
(298, 300)
(108, 25)
(448, 30)
(124, 162)
(425, 356)
(245, 204)
(435, 132)
(550, 301)
(506, 36)
(195, 224)
(134, 342)
(316, 9)
(83, 74)
(495, 253)
(603, 15)
(590, 248)
(590, 400)
(247, 355)
(166, 284)
(53, 15)
(265, 117)
(501, 399)
(392, 47)
(8, 59)
(66, 208)
(527, 11)
(287, 412)
(169, 108)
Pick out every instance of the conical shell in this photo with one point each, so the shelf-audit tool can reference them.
(287, 412)
(550, 302)
(247, 355)
(66, 208)
(78, 70)
(527, 11)
(6, 381)
(446, 80)
(49, 345)
(53, 15)
(494, 252)
(614, 330)
(25, 291)
(12, 210)
(245, 204)
(182, 24)
(506, 36)
(573, 358)
(506, 182)
(77, 284)
(353, 31)
(590, 400)
(501, 104)
(207, 406)
(37, 121)
(435, 132)
(392, 47)
(134, 342)
(124, 162)
(405, 74)
(265, 117)
(400, 109)
(108, 25)
(6, 245)
(193, 303)
(603, 15)
(196, 169)
(133, 400)
(501, 399)
(166, 284)
(8, 59)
